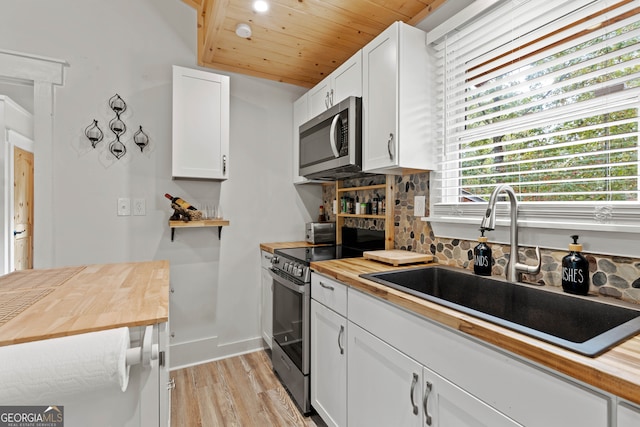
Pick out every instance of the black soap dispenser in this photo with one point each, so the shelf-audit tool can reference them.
(575, 270)
(482, 256)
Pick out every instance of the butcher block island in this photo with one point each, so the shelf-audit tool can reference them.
(84, 299)
(494, 363)
(70, 315)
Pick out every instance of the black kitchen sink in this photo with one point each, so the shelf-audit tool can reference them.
(579, 324)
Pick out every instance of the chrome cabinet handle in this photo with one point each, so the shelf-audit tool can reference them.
(171, 384)
(339, 339)
(389, 146)
(413, 388)
(269, 257)
(331, 98)
(425, 403)
(15, 233)
(327, 103)
(224, 164)
(331, 288)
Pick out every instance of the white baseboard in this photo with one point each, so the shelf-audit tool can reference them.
(206, 350)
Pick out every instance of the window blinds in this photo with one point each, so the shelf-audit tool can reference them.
(542, 96)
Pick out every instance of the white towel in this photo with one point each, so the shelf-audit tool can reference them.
(38, 372)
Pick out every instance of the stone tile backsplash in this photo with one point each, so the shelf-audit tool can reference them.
(617, 277)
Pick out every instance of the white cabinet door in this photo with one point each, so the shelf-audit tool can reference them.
(319, 99)
(397, 102)
(446, 405)
(328, 364)
(346, 80)
(380, 91)
(628, 416)
(300, 116)
(267, 307)
(200, 124)
(384, 385)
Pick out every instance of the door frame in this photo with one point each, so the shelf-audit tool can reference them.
(44, 73)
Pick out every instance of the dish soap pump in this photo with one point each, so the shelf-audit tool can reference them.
(575, 270)
(482, 256)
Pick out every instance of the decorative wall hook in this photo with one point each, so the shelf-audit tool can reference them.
(141, 139)
(94, 133)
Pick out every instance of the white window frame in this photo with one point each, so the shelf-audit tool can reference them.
(608, 229)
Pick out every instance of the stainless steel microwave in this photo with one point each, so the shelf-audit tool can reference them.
(331, 143)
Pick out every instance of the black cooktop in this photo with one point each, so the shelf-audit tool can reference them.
(355, 242)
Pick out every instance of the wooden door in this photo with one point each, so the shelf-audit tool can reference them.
(23, 209)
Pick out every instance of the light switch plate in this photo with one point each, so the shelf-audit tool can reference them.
(419, 206)
(139, 207)
(124, 206)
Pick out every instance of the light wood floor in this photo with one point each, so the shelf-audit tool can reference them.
(238, 391)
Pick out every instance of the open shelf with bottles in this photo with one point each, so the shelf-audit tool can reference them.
(387, 216)
(201, 223)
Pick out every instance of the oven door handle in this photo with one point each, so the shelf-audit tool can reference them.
(287, 283)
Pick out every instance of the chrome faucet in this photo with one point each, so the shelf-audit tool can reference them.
(514, 268)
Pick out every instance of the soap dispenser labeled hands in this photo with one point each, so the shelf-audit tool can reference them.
(482, 256)
(575, 270)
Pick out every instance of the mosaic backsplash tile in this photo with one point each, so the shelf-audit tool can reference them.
(611, 276)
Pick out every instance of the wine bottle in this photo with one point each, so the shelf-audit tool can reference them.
(178, 201)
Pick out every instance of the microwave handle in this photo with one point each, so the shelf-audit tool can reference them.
(332, 135)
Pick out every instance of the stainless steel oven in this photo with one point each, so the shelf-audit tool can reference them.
(290, 352)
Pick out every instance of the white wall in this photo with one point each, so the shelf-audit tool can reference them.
(128, 47)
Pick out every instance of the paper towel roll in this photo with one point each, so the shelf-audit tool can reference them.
(39, 372)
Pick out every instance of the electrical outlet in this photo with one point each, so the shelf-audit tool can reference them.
(124, 206)
(139, 207)
(419, 206)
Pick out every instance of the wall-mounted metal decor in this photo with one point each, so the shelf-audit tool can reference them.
(94, 133)
(117, 126)
(141, 139)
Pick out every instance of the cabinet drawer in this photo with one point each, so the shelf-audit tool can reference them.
(329, 292)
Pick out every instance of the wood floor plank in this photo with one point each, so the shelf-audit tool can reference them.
(240, 391)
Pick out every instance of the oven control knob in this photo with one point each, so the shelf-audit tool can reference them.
(299, 272)
(275, 260)
(285, 267)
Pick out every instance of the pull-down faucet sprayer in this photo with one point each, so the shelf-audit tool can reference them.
(514, 268)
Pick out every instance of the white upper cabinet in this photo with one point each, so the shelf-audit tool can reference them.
(397, 102)
(200, 124)
(345, 81)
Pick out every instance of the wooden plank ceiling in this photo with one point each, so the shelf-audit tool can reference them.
(295, 41)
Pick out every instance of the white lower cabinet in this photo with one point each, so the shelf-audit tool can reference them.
(628, 415)
(386, 388)
(329, 365)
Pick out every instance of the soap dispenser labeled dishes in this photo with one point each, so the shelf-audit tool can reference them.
(482, 256)
(575, 270)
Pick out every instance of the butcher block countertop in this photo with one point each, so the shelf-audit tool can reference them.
(616, 371)
(270, 247)
(42, 304)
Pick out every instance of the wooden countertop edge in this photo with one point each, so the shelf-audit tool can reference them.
(616, 371)
(69, 332)
(270, 247)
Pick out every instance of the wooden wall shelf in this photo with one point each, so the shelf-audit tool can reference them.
(198, 224)
(387, 216)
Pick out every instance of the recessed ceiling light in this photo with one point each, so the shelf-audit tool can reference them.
(260, 6)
